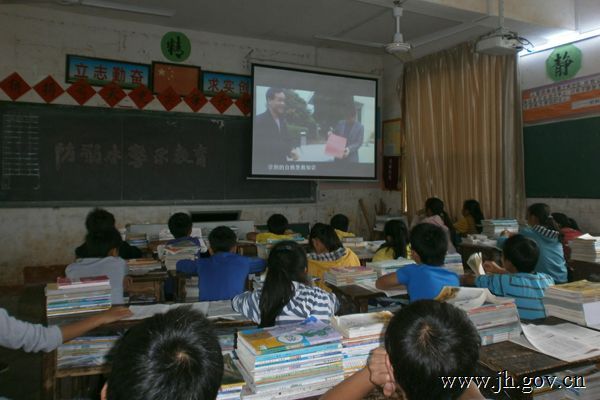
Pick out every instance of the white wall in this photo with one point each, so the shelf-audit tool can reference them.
(533, 74)
(34, 43)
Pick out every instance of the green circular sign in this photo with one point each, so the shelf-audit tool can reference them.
(563, 63)
(175, 46)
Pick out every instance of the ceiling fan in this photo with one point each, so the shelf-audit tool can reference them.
(105, 4)
(397, 47)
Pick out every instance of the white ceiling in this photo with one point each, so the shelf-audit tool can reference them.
(299, 21)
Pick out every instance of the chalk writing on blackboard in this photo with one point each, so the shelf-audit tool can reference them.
(20, 149)
(137, 155)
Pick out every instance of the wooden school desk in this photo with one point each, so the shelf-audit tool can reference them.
(520, 362)
(584, 270)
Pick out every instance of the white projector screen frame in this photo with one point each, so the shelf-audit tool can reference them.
(329, 121)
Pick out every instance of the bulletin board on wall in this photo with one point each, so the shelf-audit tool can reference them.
(54, 155)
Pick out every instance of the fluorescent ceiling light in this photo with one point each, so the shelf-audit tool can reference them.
(113, 5)
(562, 39)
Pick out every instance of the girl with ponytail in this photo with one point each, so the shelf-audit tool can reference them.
(287, 295)
(436, 215)
(396, 241)
(544, 230)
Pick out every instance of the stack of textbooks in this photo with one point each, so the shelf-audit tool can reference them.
(496, 318)
(578, 302)
(141, 266)
(388, 266)
(453, 263)
(139, 240)
(344, 276)
(585, 248)
(77, 296)
(362, 333)
(492, 228)
(232, 382)
(173, 254)
(290, 361)
(353, 242)
(84, 351)
(192, 292)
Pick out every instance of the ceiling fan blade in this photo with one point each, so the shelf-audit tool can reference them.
(113, 5)
(363, 43)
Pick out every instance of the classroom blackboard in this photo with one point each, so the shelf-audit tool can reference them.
(562, 159)
(62, 155)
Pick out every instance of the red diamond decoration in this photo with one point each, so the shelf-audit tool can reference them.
(48, 89)
(112, 94)
(81, 91)
(195, 99)
(169, 98)
(221, 101)
(141, 96)
(244, 103)
(14, 86)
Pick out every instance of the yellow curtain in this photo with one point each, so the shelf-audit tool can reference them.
(463, 132)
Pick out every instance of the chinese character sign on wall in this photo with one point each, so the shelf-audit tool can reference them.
(100, 72)
(231, 84)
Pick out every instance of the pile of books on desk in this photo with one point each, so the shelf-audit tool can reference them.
(578, 302)
(361, 333)
(232, 382)
(453, 263)
(173, 254)
(84, 351)
(344, 276)
(77, 296)
(141, 266)
(388, 266)
(492, 228)
(354, 242)
(585, 248)
(290, 361)
(139, 240)
(496, 318)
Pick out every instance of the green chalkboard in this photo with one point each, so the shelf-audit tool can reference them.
(562, 159)
(63, 155)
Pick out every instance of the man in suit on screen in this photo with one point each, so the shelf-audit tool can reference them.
(354, 133)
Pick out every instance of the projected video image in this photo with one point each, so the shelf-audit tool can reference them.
(311, 124)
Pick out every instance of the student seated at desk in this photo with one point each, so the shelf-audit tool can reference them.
(341, 223)
(426, 278)
(16, 334)
(287, 295)
(180, 226)
(278, 230)
(516, 278)
(99, 220)
(223, 275)
(569, 231)
(434, 214)
(175, 355)
(102, 259)
(328, 253)
(470, 223)
(544, 231)
(396, 241)
(424, 342)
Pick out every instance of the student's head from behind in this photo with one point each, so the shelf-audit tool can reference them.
(539, 214)
(180, 225)
(323, 238)
(434, 206)
(564, 221)
(473, 208)
(340, 222)
(520, 254)
(276, 100)
(103, 243)
(286, 264)
(222, 239)
(428, 244)
(277, 224)
(396, 236)
(99, 220)
(427, 340)
(169, 356)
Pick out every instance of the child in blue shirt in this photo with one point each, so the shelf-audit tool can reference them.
(223, 275)
(517, 278)
(426, 278)
(545, 232)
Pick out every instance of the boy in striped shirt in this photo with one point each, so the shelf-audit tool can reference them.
(517, 278)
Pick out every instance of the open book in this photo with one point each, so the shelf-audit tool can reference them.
(211, 309)
(468, 298)
(475, 262)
